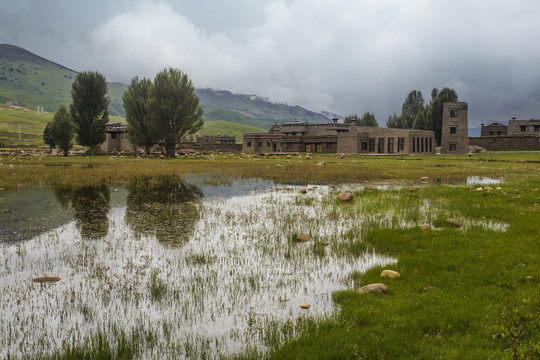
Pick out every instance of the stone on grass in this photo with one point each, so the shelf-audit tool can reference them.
(424, 178)
(305, 306)
(302, 238)
(454, 222)
(303, 191)
(326, 243)
(46, 279)
(425, 227)
(321, 163)
(373, 288)
(479, 189)
(391, 274)
(488, 188)
(345, 196)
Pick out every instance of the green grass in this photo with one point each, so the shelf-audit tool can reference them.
(228, 128)
(461, 294)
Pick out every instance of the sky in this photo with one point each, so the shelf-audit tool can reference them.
(341, 56)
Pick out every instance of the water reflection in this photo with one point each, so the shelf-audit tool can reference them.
(91, 205)
(165, 207)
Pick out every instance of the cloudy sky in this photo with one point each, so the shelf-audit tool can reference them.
(343, 56)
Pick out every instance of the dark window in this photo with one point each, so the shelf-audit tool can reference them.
(113, 135)
(364, 145)
(452, 147)
(390, 145)
(430, 145)
(381, 146)
(289, 146)
(453, 113)
(372, 145)
(499, 133)
(422, 143)
(523, 128)
(268, 143)
(400, 144)
(453, 129)
(536, 128)
(413, 144)
(249, 144)
(491, 133)
(260, 143)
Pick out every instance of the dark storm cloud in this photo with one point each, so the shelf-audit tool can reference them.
(339, 55)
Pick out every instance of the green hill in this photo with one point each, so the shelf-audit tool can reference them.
(228, 128)
(33, 81)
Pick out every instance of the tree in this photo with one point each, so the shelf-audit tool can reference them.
(414, 103)
(392, 121)
(435, 112)
(349, 118)
(174, 108)
(89, 108)
(62, 129)
(368, 119)
(421, 121)
(140, 130)
(48, 139)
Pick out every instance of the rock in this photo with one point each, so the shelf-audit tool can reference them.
(345, 196)
(498, 188)
(529, 278)
(299, 157)
(305, 306)
(46, 279)
(488, 188)
(321, 163)
(424, 178)
(390, 274)
(454, 222)
(479, 189)
(342, 156)
(279, 165)
(302, 238)
(373, 288)
(326, 243)
(303, 191)
(425, 227)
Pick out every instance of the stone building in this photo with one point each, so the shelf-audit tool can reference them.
(494, 129)
(455, 130)
(524, 127)
(116, 139)
(211, 139)
(340, 138)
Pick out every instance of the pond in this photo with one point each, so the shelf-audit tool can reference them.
(191, 267)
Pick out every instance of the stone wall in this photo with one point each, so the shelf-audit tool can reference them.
(494, 129)
(524, 127)
(508, 142)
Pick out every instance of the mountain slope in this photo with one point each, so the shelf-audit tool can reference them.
(34, 81)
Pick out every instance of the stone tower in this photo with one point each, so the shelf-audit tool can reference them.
(455, 131)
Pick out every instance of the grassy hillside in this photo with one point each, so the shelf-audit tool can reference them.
(228, 128)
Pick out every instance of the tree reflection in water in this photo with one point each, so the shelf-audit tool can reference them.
(164, 206)
(91, 205)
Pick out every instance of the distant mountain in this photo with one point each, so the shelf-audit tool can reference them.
(34, 81)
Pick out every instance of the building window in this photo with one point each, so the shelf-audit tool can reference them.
(453, 129)
(319, 148)
(390, 145)
(523, 128)
(113, 135)
(452, 147)
(380, 149)
(268, 143)
(401, 144)
(430, 144)
(453, 113)
(260, 143)
(372, 145)
(536, 128)
(413, 144)
(364, 145)
(289, 146)
(308, 147)
(249, 144)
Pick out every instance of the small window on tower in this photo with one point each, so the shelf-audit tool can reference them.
(453, 129)
(453, 113)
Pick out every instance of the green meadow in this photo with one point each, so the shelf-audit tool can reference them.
(468, 292)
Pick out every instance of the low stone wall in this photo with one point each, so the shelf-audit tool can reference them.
(234, 148)
(506, 142)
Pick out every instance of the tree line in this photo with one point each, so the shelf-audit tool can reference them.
(159, 112)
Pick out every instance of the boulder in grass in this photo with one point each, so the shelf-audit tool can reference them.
(454, 222)
(424, 178)
(425, 227)
(479, 189)
(345, 196)
(391, 274)
(373, 288)
(305, 306)
(46, 279)
(303, 238)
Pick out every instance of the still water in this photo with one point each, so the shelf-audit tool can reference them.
(189, 267)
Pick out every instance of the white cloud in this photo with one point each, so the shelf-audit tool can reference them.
(339, 55)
